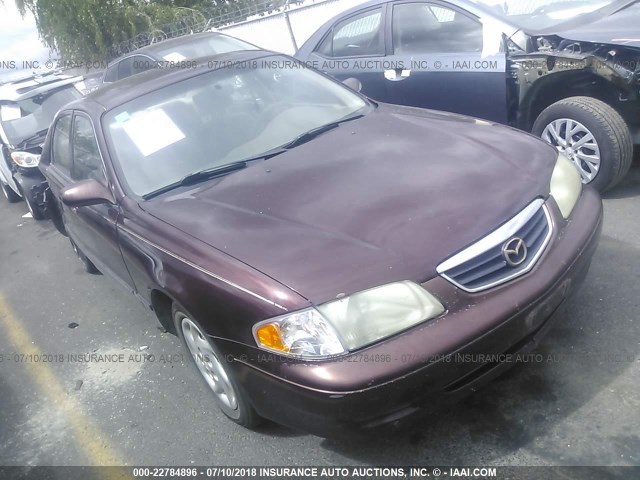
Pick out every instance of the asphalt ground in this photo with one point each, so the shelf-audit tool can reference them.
(581, 408)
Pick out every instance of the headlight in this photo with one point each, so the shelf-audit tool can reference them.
(349, 323)
(305, 333)
(566, 185)
(25, 159)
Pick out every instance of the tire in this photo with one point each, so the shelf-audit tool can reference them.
(213, 369)
(87, 264)
(613, 140)
(9, 194)
(36, 210)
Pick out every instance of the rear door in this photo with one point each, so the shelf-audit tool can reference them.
(355, 47)
(449, 60)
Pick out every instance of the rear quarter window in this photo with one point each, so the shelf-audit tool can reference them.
(61, 149)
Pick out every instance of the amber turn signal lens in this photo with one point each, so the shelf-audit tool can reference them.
(269, 336)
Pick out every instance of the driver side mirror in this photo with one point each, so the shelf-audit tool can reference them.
(85, 193)
(353, 83)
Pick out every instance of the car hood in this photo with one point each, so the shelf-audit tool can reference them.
(619, 28)
(383, 198)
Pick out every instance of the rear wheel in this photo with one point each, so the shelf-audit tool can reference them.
(214, 369)
(9, 194)
(592, 135)
(87, 264)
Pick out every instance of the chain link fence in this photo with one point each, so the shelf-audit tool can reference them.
(187, 21)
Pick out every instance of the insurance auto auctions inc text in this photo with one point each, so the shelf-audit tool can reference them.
(370, 472)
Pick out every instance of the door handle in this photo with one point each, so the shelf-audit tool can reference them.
(397, 74)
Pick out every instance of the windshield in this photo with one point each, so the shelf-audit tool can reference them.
(221, 117)
(25, 118)
(544, 14)
(201, 47)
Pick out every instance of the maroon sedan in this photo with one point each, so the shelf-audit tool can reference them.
(328, 261)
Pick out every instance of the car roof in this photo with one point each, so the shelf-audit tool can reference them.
(152, 49)
(122, 91)
(473, 4)
(34, 85)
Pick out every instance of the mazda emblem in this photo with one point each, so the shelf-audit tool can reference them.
(515, 252)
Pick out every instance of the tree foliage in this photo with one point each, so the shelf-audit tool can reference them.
(82, 30)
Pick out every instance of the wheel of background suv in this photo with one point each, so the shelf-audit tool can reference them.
(214, 370)
(36, 211)
(9, 194)
(88, 265)
(592, 135)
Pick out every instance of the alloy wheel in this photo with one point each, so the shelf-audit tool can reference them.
(210, 366)
(575, 141)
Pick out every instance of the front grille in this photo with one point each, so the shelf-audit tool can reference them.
(483, 265)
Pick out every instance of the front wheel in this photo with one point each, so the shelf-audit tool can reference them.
(592, 135)
(87, 264)
(9, 194)
(214, 369)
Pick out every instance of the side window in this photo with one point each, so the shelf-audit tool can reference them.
(61, 154)
(86, 156)
(125, 68)
(141, 64)
(356, 36)
(425, 28)
(111, 75)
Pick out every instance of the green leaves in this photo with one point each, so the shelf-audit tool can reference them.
(92, 30)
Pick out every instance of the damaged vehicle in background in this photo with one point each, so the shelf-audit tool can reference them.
(565, 70)
(27, 108)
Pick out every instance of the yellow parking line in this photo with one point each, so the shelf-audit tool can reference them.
(88, 437)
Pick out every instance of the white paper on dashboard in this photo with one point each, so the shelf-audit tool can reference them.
(152, 130)
(10, 112)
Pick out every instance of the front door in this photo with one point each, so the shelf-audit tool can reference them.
(354, 47)
(450, 60)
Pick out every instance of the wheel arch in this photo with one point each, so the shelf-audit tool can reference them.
(557, 86)
(162, 305)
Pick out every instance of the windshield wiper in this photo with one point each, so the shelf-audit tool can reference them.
(305, 137)
(198, 177)
(209, 173)
(235, 166)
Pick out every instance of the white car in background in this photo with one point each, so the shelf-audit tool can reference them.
(27, 107)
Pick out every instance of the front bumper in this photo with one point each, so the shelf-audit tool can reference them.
(32, 184)
(433, 364)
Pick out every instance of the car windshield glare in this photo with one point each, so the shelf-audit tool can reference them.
(543, 14)
(221, 117)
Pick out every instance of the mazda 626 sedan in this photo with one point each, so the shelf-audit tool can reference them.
(330, 263)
